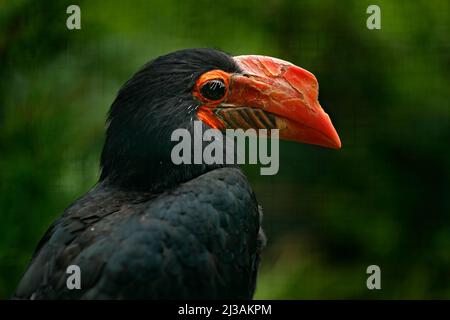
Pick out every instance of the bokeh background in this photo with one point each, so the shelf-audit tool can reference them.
(383, 199)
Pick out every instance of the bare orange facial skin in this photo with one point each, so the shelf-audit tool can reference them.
(208, 76)
(207, 115)
(205, 112)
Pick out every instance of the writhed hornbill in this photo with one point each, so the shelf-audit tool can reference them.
(150, 229)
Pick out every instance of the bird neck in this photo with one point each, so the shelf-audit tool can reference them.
(147, 164)
(153, 176)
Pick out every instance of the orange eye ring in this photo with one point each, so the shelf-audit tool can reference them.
(216, 79)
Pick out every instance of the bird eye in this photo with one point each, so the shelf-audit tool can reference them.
(213, 89)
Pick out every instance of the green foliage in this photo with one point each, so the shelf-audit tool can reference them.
(382, 199)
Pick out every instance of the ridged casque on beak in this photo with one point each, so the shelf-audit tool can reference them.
(286, 93)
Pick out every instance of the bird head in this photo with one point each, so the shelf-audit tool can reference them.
(266, 93)
(222, 91)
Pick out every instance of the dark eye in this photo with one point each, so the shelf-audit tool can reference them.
(213, 89)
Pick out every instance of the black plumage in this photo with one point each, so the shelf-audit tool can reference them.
(151, 229)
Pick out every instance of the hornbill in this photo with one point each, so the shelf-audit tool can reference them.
(150, 229)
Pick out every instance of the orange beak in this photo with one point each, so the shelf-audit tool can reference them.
(271, 93)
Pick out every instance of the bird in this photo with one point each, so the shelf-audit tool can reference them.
(152, 229)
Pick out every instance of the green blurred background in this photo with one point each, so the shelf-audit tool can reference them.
(382, 199)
